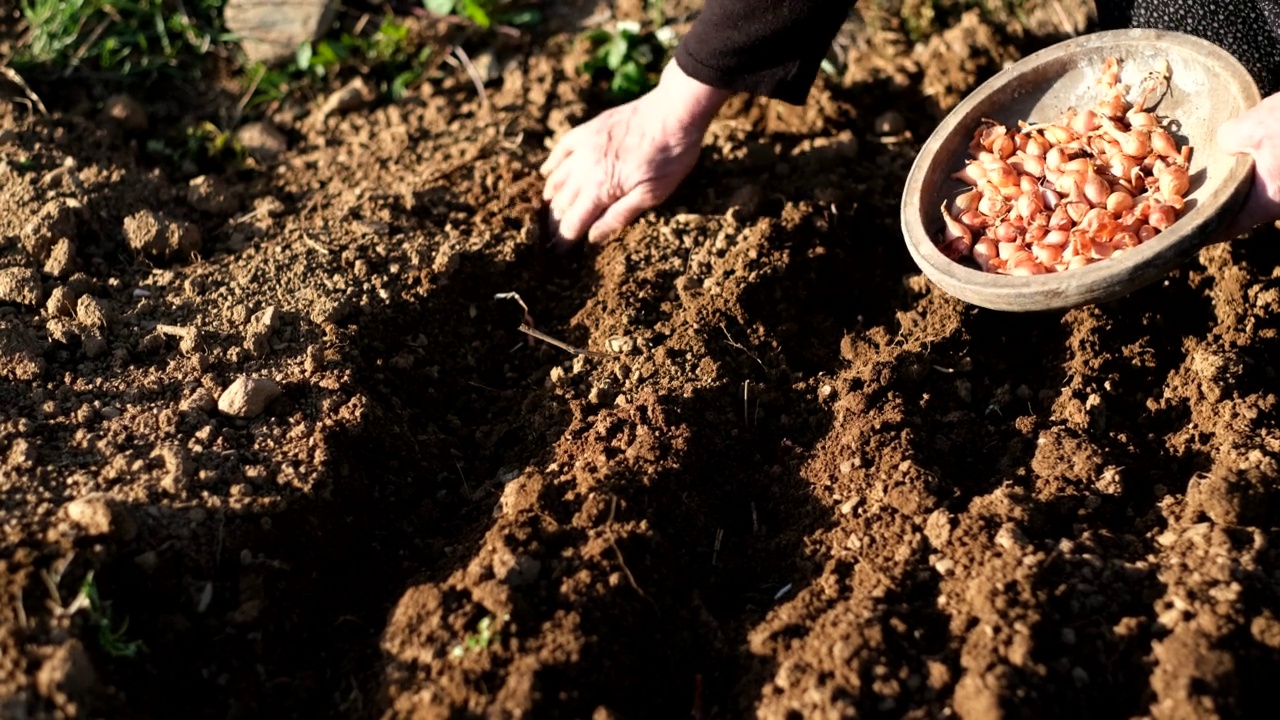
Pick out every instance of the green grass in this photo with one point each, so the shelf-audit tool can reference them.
(628, 58)
(389, 59)
(121, 38)
(111, 638)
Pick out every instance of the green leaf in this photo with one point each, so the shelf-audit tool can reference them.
(520, 18)
(630, 79)
(476, 11)
(616, 54)
(400, 84)
(439, 7)
(302, 57)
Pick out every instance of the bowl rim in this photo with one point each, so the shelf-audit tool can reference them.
(1097, 282)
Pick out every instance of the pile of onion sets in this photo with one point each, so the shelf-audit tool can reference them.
(1051, 197)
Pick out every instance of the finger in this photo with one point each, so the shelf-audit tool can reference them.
(1247, 132)
(621, 214)
(557, 180)
(560, 206)
(1240, 135)
(559, 153)
(581, 214)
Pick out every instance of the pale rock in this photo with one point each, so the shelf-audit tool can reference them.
(248, 397)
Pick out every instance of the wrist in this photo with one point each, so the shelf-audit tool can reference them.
(690, 101)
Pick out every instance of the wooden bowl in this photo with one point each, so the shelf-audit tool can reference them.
(1207, 87)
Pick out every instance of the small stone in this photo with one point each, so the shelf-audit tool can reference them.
(262, 141)
(271, 32)
(21, 286)
(126, 112)
(248, 397)
(62, 258)
(156, 235)
(210, 194)
(890, 122)
(620, 344)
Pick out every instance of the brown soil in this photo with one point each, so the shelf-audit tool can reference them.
(801, 483)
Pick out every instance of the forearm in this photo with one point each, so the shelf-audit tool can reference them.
(765, 47)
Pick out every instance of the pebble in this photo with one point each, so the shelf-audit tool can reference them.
(248, 397)
(890, 123)
(270, 32)
(21, 286)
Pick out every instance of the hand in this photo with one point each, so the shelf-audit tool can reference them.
(1257, 132)
(604, 173)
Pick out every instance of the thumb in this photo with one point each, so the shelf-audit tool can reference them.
(622, 213)
(1246, 132)
(1240, 134)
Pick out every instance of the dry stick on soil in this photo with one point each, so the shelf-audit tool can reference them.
(740, 347)
(614, 544)
(561, 344)
(474, 74)
(12, 76)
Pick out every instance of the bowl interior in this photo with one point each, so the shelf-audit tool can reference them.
(1206, 87)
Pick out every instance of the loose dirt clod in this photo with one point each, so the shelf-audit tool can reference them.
(94, 515)
(67, 675)
(126, 112)
(208, 193)
(92, 312)
(257, 335)
(55, 220)
(262, 141)
(155, 235)
(248, 397)
(62, 258)
(20, 286)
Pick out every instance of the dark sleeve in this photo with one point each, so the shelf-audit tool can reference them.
(765, 47)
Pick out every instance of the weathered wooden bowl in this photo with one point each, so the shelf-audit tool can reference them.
(1207, 87)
